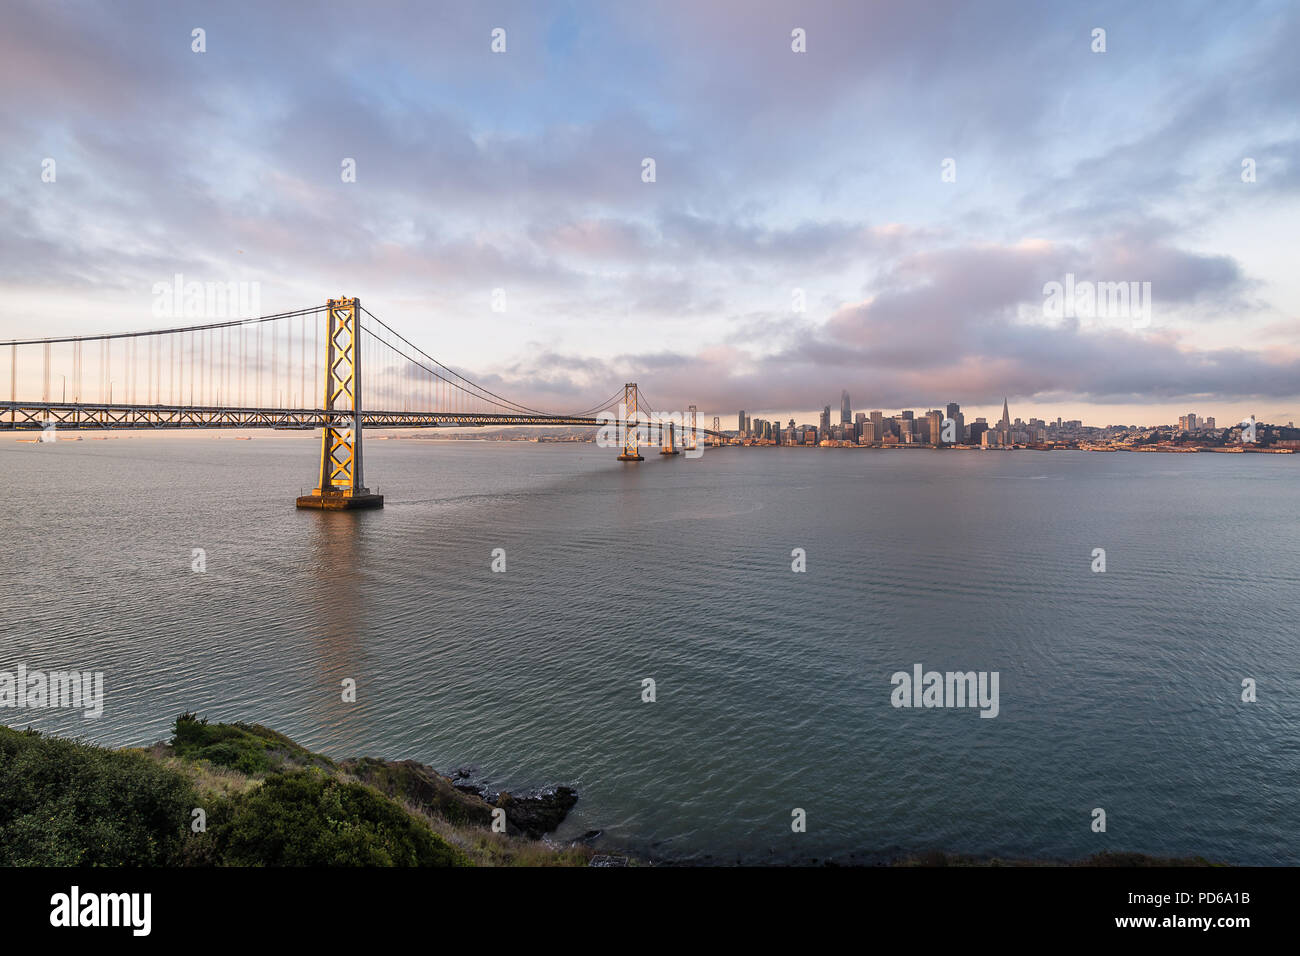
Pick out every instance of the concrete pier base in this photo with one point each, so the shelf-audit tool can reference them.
(340, 502)
(667, 451)
(630, 458)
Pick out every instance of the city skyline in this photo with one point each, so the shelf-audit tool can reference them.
(992, 413)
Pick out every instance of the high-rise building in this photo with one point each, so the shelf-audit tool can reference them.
(959, 421)
(741, 427)
(846, 413)
(877, 426)
(935, 418)
(825, 428)
(1005, 421)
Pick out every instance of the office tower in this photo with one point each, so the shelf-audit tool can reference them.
(741, 427)
(877, 425)
(1005, 422)
(935, 419)
(749, 424)
(953, 410)
(846, 414)
(825, 428)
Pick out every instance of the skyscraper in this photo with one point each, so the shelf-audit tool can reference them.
(825, 428)
(846, 413)
(959, 422)
(934, 426)
(1003, 431)
(741, 427)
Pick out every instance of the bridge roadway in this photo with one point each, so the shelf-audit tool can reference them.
(80, 416)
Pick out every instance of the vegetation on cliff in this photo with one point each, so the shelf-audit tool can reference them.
(242, 795)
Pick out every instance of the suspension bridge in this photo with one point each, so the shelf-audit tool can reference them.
(263, 373)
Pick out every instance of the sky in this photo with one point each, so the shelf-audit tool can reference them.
(881, 212)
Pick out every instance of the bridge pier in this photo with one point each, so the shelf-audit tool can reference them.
(341, 487)
(339, 502)
(669, 440)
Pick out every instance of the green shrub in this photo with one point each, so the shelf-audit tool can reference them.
(70, 804)
(306, 818)
(248, 748)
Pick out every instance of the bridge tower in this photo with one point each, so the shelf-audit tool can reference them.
(717, 432)
(631, 430)
(669, 437)
(342, 485)
(693, 432)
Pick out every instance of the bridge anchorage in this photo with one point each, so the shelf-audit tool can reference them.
(341, 484)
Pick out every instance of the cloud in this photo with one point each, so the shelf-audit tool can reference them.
(776, 171)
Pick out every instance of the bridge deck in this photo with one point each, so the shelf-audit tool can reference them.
(72, 416)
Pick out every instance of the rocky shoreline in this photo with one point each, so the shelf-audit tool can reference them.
(532, 813)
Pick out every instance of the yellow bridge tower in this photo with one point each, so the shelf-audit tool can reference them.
(341, 483)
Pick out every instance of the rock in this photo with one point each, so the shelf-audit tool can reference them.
(603, 860)
(537, 812)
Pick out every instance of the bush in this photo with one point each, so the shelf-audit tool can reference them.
(70, 804)
(248, 748)
(306, 818)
